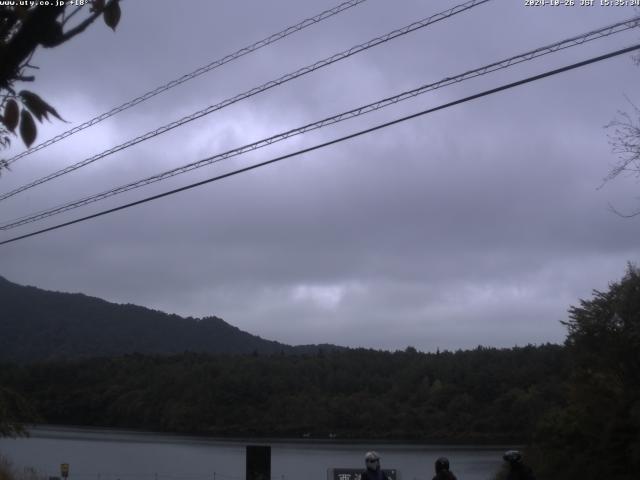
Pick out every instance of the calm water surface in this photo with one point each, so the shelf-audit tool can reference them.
(115, 455)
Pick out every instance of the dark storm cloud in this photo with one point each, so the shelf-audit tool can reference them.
(479, 224)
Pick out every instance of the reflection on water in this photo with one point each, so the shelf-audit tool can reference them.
(96, 454)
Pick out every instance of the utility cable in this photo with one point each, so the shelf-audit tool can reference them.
(189, 76)
(502, 64)
(254, 91)
(332, 142)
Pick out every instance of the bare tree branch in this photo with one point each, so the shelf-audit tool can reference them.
(623, 215)
(70, 16)
(624, 138)
(81, 27)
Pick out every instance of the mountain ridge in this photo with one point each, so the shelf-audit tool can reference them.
(42, 325)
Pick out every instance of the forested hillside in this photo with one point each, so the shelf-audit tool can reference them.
(41, 325)
(576, 406)
(478, 395)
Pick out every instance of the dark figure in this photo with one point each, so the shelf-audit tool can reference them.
(442, 470)
(373, 470)
(517, 469)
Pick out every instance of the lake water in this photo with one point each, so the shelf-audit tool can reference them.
(97, 454)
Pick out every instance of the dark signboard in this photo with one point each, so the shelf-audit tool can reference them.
(354, 474)
(258, 462)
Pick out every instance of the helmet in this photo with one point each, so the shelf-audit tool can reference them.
(372, 460)
(512, 456)
(442, 464)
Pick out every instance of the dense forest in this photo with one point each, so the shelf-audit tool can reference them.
(479, 395)
(576, 406)
(597, 434)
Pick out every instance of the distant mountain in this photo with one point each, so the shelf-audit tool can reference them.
(37, 325)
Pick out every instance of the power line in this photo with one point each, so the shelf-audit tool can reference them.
(254, 91)
(502, 64)
(196, 73)
(334, 141)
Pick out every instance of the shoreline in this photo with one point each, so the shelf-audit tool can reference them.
(102, 433)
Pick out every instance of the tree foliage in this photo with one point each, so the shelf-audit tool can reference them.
(14, 411)
(598, 433)
(24, 28)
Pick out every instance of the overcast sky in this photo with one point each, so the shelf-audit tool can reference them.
(478, 224)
